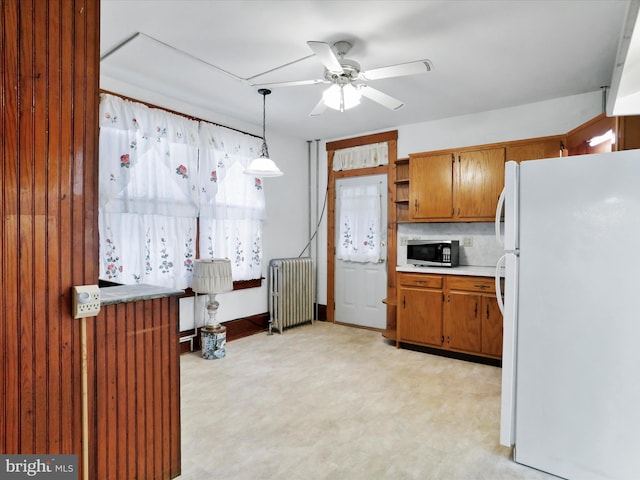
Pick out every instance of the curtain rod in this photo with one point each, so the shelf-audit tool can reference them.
(190, 117)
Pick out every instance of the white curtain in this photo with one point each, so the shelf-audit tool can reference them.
(360, 224)
(158, 173)
(232, 204)
(364, 156)
(148, 194)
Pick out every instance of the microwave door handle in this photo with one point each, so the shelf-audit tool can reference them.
(498, 286)
(499, 209)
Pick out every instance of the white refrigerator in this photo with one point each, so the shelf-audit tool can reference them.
(571, 356)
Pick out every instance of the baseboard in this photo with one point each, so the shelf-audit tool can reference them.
(238, 328)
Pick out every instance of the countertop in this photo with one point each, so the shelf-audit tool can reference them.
(471, 270)
(134, 293)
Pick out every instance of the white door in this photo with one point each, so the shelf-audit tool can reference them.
(360, 287)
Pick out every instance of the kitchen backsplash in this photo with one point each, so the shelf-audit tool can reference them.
(483, 250)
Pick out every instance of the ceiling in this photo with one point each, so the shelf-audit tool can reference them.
(486, 55)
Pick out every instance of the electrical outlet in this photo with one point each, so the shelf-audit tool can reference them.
(85, 301)
(467, 242)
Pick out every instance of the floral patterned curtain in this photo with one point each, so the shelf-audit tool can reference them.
(158, 173)
(232, 204)
(359, 235)
(148, 194)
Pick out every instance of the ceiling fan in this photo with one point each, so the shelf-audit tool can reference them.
(347, 80)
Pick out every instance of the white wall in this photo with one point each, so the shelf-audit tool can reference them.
(286, 225)
(551, 117)
(286, 228)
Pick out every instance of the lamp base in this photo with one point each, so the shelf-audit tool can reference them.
(213, 340)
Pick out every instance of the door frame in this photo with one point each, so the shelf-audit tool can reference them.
(391, 138)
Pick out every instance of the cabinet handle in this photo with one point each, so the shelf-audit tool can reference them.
(448, 339)
(487, 311)
(404, 302)
(415, 205)
(442, 340)
(481, 286)
(475, 313)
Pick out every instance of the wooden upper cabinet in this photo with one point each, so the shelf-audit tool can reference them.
(536, 149)
(455, 186)
(431, 187)
(628, 133)
(578, 138)
(480, 181)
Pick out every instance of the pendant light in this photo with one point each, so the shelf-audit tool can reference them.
(263, 166)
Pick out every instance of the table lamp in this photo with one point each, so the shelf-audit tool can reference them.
(212, 276)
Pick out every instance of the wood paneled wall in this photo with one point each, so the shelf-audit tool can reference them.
(48, 238)
(135, 430)
(49, 66)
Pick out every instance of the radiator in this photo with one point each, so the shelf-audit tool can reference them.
(291, 292)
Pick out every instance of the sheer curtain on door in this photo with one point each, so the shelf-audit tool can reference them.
(360, 216)
(360, 224)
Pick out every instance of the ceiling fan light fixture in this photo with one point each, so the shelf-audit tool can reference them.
(263, 166)
(341, 97)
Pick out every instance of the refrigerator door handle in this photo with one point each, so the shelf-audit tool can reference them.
(499, 209)
(498, 286)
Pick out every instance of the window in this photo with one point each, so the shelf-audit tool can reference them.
(159, 172)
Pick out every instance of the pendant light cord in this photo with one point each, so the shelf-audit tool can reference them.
(265, 150)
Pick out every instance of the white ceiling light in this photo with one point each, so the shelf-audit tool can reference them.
(341, 97)
(263, 166)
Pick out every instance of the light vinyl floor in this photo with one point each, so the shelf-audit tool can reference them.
(326, 401)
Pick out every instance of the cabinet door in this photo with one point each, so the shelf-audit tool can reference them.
(420, 316)
(462, 323)
(535, 150)
(431, 187)
(480, 181)
(491, 327)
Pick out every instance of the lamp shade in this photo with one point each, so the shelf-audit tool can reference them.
(212, 275)
(263, 167)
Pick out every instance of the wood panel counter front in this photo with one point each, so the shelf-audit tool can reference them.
(454, 312)
(136, 373)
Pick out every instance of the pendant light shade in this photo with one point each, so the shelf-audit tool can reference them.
(263, 166)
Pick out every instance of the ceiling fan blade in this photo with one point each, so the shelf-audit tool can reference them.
(381, 98)
(324, 52)
(318, 109)
(402, 69)
(290, 84)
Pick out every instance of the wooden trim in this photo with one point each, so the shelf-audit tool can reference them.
(331, 234)
(361, 172)
(391, 138)
(364, 140)
(175, 112)
(238, 328)
(489, 146)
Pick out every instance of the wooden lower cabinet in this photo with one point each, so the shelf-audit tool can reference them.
(452, 312)
(420, 308)
(462, 322)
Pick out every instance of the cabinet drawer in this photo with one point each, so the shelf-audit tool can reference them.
(420, 280)
(472, 284)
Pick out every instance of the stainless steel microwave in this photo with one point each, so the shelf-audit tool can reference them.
(438, 253)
